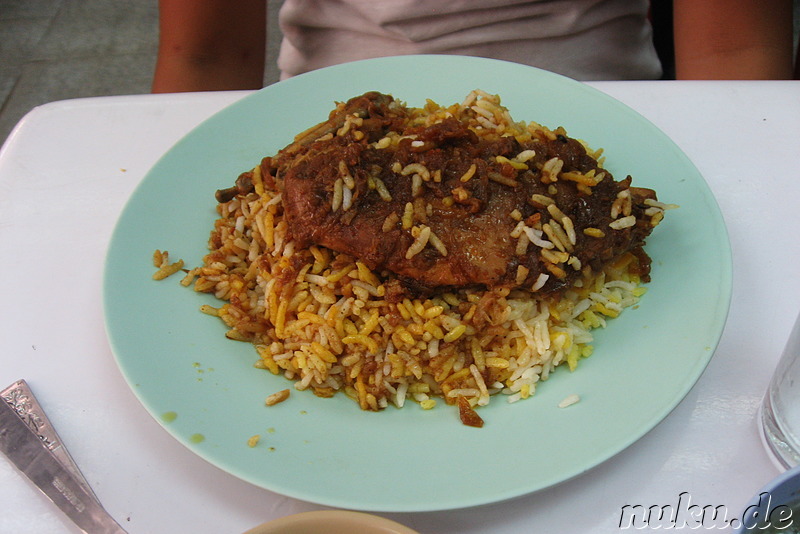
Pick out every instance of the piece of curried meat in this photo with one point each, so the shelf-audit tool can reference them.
(455, 204)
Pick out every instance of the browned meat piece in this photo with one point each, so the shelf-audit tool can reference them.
(357, 107)
(468, 415)
(439, 205)
(360, 107)
(243, 185)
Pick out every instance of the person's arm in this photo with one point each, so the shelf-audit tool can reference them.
(733, 39)
(210, 45)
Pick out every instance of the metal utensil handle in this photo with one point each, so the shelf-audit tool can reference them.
(32, 457)
(20, 397)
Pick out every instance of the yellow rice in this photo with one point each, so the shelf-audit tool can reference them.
(321, 319)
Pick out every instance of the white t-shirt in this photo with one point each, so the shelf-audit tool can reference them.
(582, 39)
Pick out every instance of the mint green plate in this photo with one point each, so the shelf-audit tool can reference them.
(205, 392)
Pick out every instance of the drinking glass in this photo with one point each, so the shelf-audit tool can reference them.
(780, 410)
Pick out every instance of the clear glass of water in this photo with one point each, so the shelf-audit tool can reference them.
(780, 410)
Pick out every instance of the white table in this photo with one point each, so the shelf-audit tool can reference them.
(68, 168)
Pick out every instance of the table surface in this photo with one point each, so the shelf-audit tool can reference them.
(68, 168)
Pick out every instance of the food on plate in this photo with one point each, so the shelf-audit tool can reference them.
(164, 268)
(569, 400)
(396, 253)
(277, 397)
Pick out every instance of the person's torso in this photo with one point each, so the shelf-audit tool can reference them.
(583, 39)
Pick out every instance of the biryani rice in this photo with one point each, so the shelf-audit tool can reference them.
(321, 318)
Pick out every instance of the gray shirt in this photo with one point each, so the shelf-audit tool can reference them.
(582, 39)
